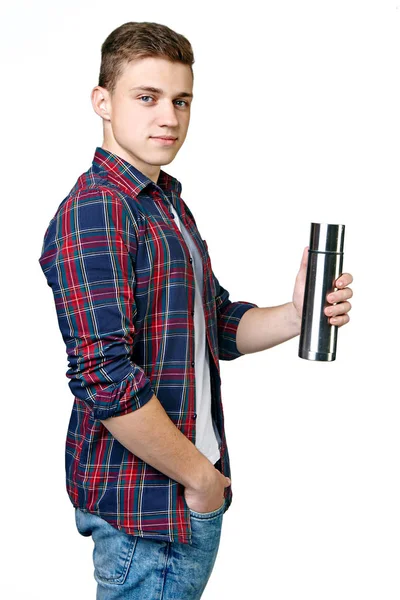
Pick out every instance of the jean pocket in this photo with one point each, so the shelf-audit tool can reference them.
(208, 515)
(113, 549)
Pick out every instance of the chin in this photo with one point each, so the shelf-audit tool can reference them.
(161, 160)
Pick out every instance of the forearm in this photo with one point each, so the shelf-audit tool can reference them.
(149, 433)
(263, 328)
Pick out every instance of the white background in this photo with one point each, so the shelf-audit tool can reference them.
(295, 119)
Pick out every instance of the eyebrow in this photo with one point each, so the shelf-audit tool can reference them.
(146, 88)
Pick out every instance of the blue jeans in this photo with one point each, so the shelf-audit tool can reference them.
(130, 567)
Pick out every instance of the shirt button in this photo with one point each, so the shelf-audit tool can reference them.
(192, 313)
(192, 364)
(172, 215)
(191, 259)
(195, 416)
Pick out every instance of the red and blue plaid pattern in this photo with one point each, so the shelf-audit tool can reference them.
(123, 286)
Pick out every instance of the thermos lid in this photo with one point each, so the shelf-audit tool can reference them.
(326, 237)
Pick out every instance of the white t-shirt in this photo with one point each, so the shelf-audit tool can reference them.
(207, 436)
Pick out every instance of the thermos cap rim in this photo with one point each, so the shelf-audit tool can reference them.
(327, 237)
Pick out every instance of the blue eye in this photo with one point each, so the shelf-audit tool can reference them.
(151, 97)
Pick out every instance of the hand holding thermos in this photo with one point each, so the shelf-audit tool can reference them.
(321, 293)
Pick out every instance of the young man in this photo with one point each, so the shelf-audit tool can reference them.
(145, 322)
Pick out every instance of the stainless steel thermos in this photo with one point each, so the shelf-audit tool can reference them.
(325, 262)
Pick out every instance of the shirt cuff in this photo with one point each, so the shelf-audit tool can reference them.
(227, 329)
(129, 395)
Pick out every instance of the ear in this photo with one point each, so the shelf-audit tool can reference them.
(101, 102)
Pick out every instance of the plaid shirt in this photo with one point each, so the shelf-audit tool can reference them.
(123, 286)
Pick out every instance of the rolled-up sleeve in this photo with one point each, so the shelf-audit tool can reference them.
(228, 318)
(88, 258)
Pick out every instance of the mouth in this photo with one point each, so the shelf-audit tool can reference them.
(164, 137)
(165, 140)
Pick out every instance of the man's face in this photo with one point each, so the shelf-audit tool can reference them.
(135, 119)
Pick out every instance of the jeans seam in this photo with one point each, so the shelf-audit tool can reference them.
(165, 569)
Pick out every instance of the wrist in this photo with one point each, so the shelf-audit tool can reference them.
(294, 318)
(203, 478)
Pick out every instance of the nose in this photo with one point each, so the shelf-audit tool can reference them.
(167, 114)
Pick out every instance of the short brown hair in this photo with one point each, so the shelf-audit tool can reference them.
(139, 40)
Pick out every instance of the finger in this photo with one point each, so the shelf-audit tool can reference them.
(339, 321)
(344, 280)
(337, 310)
(340, 296)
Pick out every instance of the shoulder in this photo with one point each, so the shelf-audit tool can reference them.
(95, 210)
(101, 201)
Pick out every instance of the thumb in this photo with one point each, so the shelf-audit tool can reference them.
(302, 273)
(304, 258)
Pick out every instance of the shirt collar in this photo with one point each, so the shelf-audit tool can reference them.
(125, 175)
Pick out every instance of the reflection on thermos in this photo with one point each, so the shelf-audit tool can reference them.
(325, 262)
